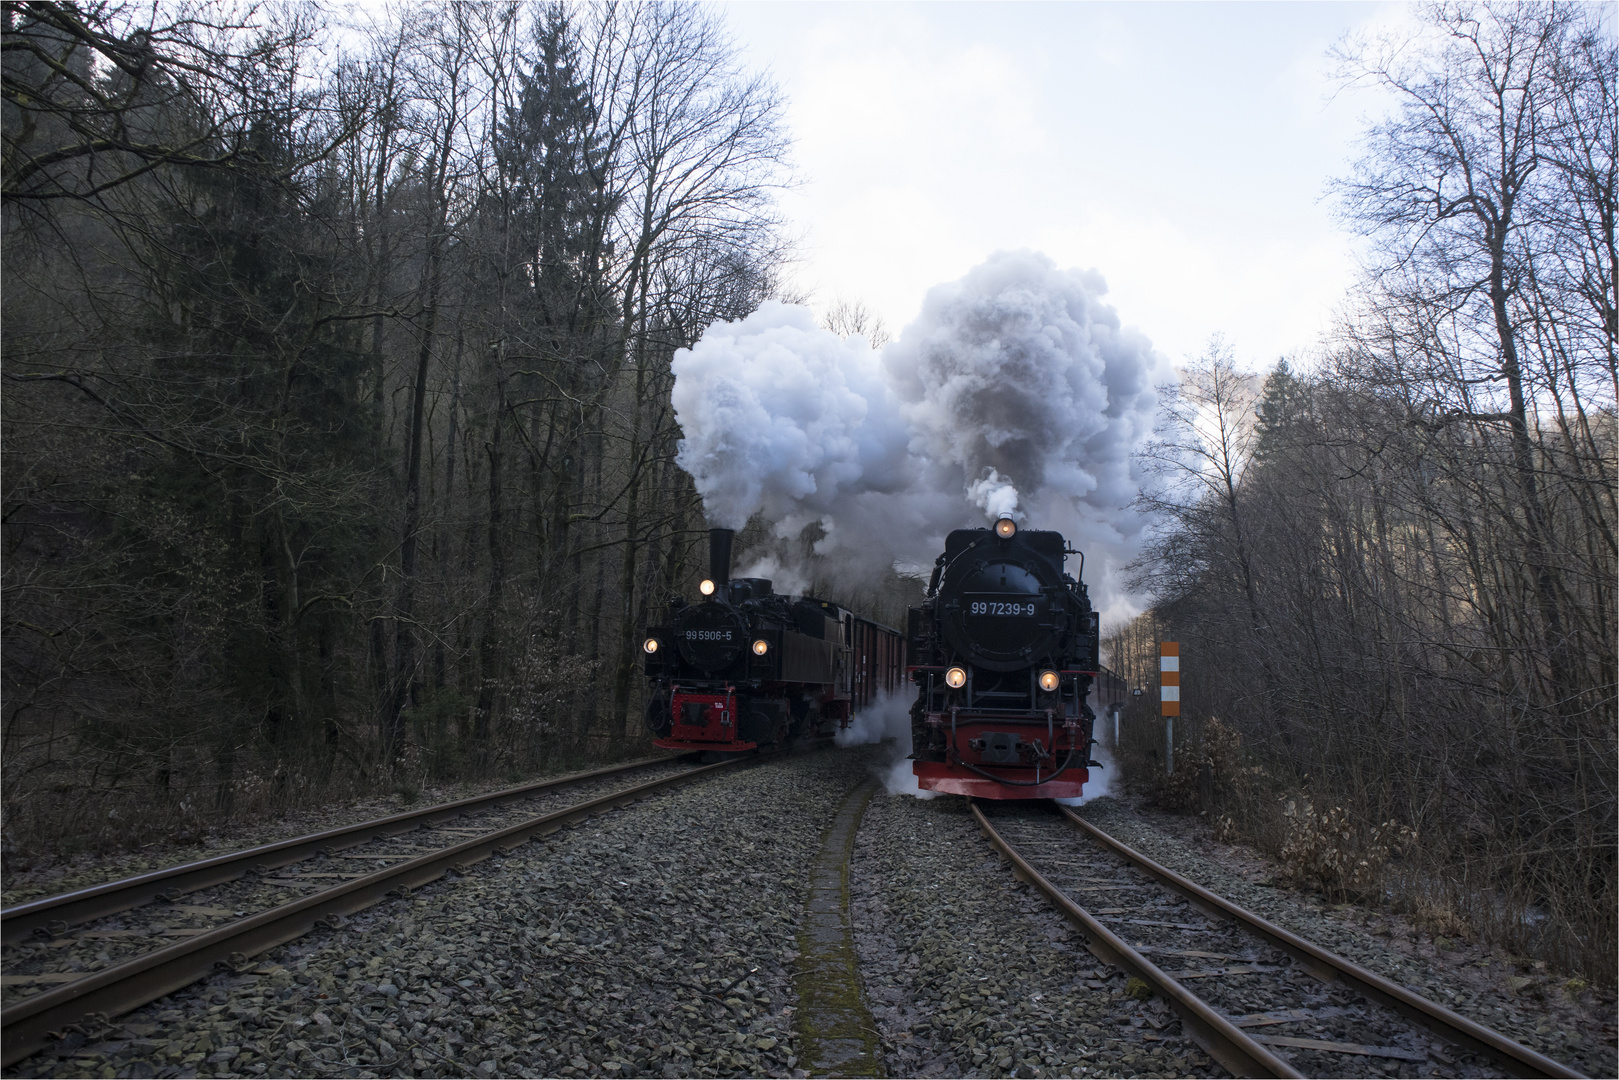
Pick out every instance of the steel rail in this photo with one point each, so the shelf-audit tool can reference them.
(26, 1025)
(1224, 1041)
(1449, 1025)
(98, 901)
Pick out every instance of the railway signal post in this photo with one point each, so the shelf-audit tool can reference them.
(1169, 696)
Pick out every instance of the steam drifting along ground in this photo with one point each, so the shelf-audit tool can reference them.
(889, 717)
(1016, 391)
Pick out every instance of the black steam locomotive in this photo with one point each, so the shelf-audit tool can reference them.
(745, 667)
(1005, 650)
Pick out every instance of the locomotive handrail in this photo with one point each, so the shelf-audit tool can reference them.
(941, 571)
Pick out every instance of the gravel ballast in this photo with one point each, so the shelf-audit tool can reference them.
(30, 875)
(657, 940)
(100, 943)
(1515, 997)
(661, 940)
(971, 973)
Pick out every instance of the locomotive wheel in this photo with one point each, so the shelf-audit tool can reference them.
(764, 722)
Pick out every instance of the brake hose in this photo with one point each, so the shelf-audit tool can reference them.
(1020, 783)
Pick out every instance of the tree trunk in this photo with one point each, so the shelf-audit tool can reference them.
(1538, 533)
(490, 653)
(404, 689)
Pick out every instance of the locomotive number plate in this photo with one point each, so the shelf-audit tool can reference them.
(998, 607)
(708, 635)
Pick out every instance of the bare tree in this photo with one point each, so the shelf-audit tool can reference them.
(1459, 187)
(1423, 526)
(96, 97)
(1206, 439)
(849, 317)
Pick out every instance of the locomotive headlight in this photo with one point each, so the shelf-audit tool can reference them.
(706, 588)
(1006, 528)
(955, 678)
(1048, 681)
(761, 647)
(650, 645)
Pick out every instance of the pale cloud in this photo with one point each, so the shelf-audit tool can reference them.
(1181, 150)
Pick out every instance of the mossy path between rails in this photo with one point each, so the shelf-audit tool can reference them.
(835, 1031)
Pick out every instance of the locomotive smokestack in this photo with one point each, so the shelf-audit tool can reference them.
(719, 555)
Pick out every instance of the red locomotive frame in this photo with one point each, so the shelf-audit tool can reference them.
(718, 709)
(966, 769)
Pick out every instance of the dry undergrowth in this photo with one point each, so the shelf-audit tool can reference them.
(1332, 851)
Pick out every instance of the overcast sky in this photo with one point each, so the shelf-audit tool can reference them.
(1182, 149)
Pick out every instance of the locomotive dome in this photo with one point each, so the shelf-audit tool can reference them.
(1002, 601)
(710, 635)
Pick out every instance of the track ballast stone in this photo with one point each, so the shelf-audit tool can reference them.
(656, 940)
(1487, 988)
(971, 973)
(101, 943)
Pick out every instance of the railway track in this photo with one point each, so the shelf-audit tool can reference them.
(136, 940)
(1260, 1000)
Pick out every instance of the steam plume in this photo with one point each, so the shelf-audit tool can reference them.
(778, 418)
(1017, 390)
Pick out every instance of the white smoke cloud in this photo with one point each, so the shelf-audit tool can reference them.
(784, 580)
(889, 717)
(996, 497)
(1020, 377)
(1017, 390)
(779, 419)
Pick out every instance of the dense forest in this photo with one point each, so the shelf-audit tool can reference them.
(1392, 569)
(338, 445)
(339, 455)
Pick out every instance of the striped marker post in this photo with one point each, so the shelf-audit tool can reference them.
(1169, 696)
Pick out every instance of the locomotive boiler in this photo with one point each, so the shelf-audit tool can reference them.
(745, 667)
(1004, 651)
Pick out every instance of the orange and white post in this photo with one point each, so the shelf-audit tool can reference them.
(1169, 696)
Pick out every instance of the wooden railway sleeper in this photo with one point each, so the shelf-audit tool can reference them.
(1224, 1042)
(140, 979)
(1442, 1022)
